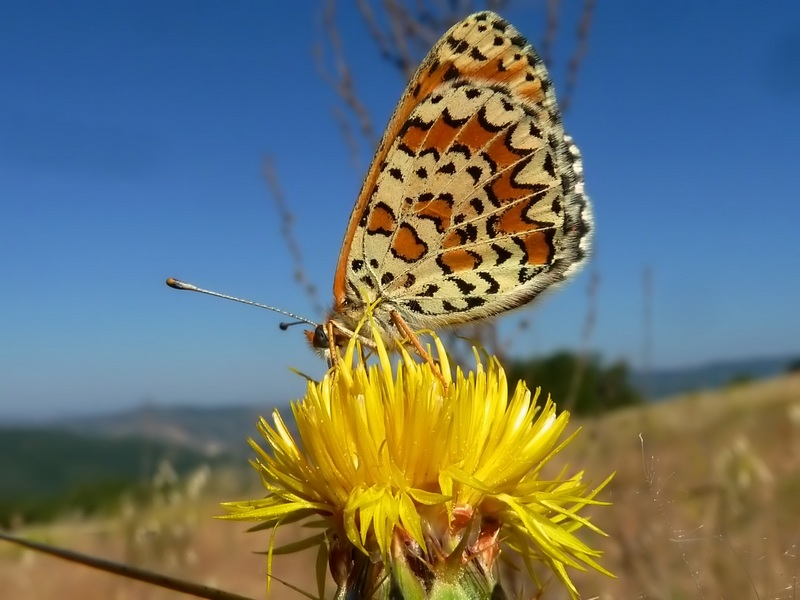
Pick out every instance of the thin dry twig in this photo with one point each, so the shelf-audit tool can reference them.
(581, 50)
(287, 231)
(647, 329)
(551, 32)
(586, 337)
(348, 134)
(341, 80)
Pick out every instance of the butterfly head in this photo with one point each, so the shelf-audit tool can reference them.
(319, 340)
(348, 320)
(325, 337)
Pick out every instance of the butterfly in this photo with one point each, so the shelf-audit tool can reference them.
(474, 203)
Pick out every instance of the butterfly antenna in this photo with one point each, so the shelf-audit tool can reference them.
(284, 325)
(181, 285)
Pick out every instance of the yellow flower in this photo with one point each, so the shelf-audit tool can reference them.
(419, 484)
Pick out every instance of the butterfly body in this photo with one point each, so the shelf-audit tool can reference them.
(474, 203)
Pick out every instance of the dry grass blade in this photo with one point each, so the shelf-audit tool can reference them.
(127, 571)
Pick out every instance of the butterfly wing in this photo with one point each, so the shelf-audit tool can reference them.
(474, 202)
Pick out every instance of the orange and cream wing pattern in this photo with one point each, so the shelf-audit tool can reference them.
(474, 202)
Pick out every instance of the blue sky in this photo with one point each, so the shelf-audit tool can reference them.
(131, 141)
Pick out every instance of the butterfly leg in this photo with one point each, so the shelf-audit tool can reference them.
(412, 338)
(333, 358)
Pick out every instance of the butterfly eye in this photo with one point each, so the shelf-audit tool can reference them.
(320, 339)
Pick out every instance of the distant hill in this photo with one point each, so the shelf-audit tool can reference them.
(86, 464)
(217, 431)
(47, 471)
(207, 430)
(659, 384)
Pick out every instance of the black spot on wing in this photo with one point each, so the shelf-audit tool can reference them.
(475, 172)
(456, 45)
(470, 232)
(474, 301)
(405, 149)
(447, 169)
(415, 122)
(486, 124)
(490, 162)
(453, 122)
(460, 149)
(549, 166)
(415, 306)
(432, 151)
(451, 73)
(477, 206)
(469, 301)
(519, 41)
(502, 254)
(508, 142)
(430, 290)
(494, 285)
(463, 286)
